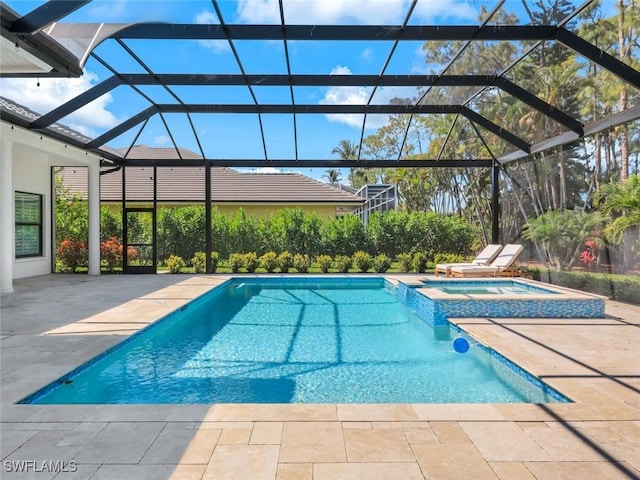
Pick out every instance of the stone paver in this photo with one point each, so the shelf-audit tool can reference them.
(230, 462)
(309, 442)
(121, 443)
(370, 471)
(48, 328)
(266, 433)
(384, 446)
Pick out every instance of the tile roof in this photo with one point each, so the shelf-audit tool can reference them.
(186, 184)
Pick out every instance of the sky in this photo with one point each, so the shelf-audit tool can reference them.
(238, 136)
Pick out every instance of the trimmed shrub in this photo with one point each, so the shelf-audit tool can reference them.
(324, 262)
(236, 262)
(180, 231)
(251, 262)
(199, 262)
(301, 262)
(381, 263)
(215, 260)
(362, 261)
(73, 253)
(342, 263)
(405, 262)
(269, 261)
(343, 235)
(419, 261)
(285, 261)
(623, 288)
(448, 258)
(175, 264)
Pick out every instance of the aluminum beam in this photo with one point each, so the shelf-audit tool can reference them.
(336, 32)
(600, 57)
(46, 14)
(310, 163)
(269, 80)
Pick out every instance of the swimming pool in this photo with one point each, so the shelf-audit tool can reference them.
(295, 340)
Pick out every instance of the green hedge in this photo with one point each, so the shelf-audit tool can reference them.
(623, 288)
(181, 232)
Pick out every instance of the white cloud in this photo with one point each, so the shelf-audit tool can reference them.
(53, 92)
(109, 10)
(161, 140)
(218, 46)
(372, 12)
(367, 54)
(259, 11)
(430, 9)
(360, 96)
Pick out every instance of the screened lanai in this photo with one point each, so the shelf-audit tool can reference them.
(502, 109)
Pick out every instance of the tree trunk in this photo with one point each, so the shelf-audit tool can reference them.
(623, 101)
(563, 179)
(597, 161)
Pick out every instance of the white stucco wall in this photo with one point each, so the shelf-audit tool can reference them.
(33, 157)
(32, 174)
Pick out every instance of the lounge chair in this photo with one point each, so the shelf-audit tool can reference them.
(485, 257)
(502, 266)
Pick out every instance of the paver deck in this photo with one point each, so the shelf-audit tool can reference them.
(54, 323)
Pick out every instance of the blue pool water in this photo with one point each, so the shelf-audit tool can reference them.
(486, 287)
(294, 341)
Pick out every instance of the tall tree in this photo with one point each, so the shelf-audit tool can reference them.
(332, 175)
(348, 150)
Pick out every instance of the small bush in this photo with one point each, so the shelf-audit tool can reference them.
(405, 262)
(419, 261)
(324, 263)
(236, 262)
(215, 260)
(175, 264)
(73, 253)
(381, 263)
(199, 262)
(111, 252)
(362, 261)
(269, 261)
(301, 262)
(448, 258)
(342, 263)
(285, 261)
(251, 262)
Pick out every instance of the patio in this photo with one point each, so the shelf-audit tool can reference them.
(64, 320)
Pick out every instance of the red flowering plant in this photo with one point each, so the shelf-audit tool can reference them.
(111, 252)
(589, 255)
(73, 253)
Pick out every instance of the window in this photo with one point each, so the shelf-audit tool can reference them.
(28, 225)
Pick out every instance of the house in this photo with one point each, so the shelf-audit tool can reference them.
(29, 160)
(256, 193)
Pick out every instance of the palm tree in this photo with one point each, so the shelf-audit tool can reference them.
(622, 201)
(332, 175)
(347, 150)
